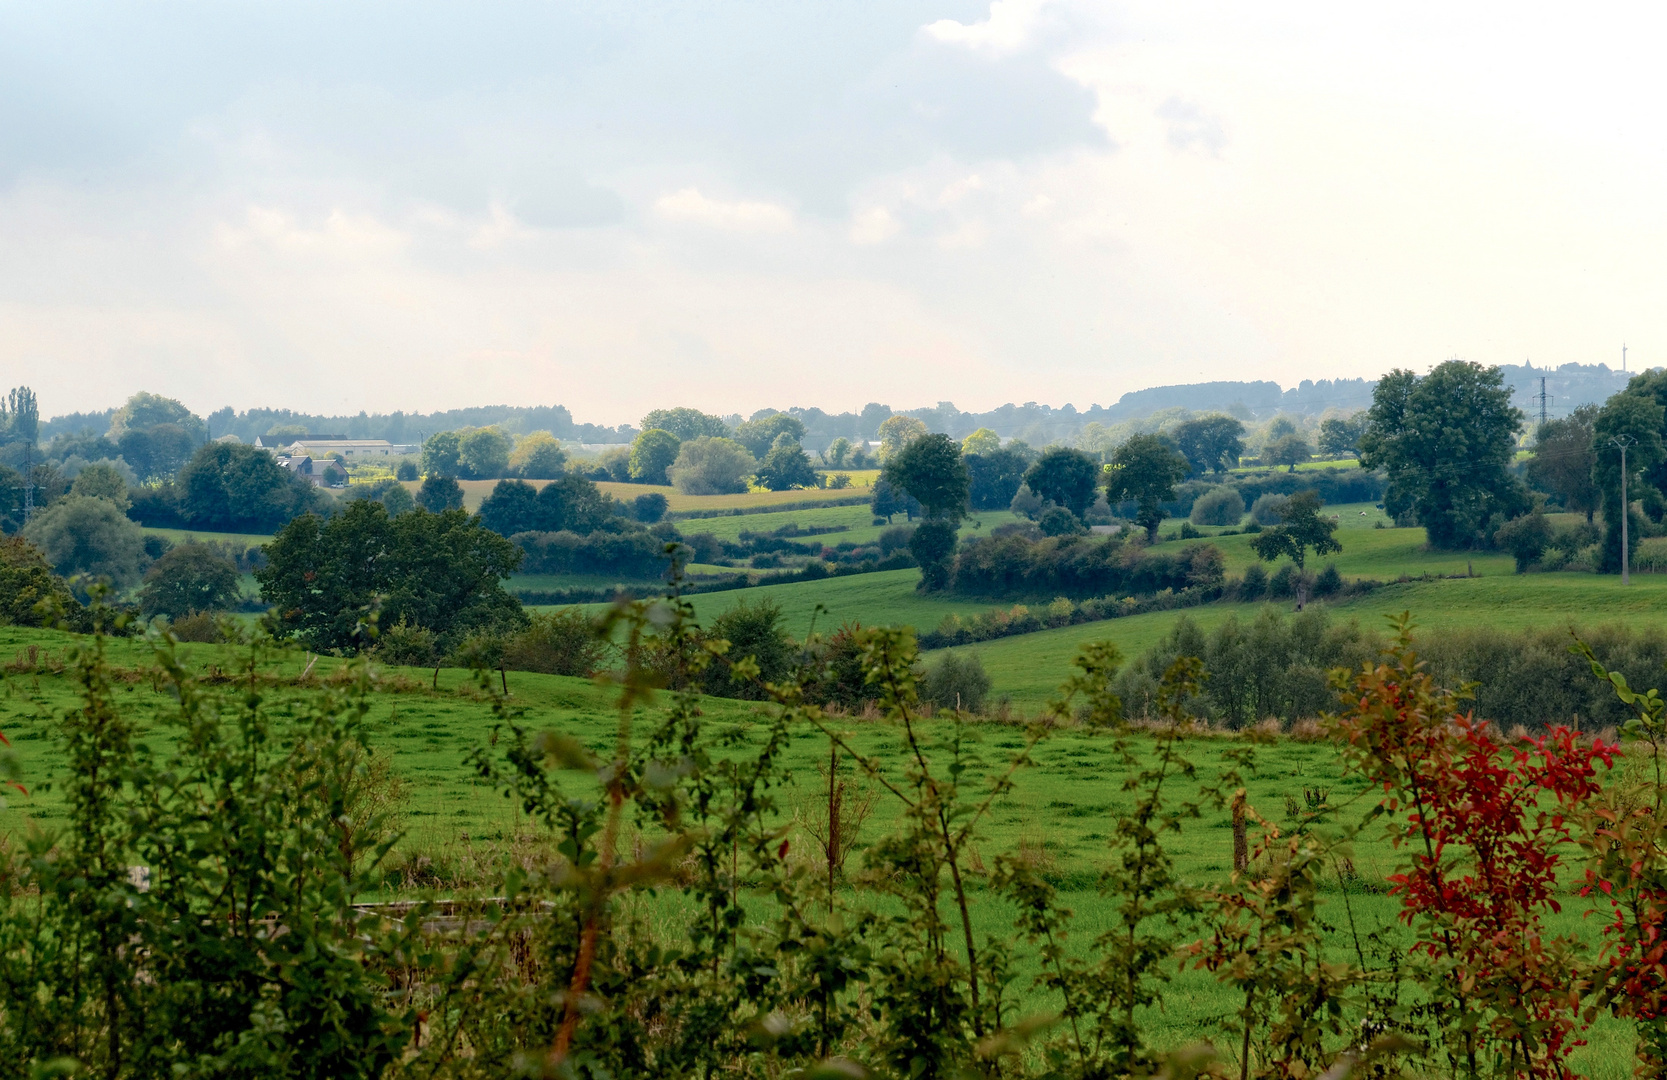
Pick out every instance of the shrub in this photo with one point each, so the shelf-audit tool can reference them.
(405, 645)
(1266, 509)
(406, 471)
(1218, 506)
(1010, 565)
(755, 630)
(956, 680)
(1058, 521)
(649, 508)
(895, 538)
(199, 626)
(1188, 532)
(1254, 584)
(1329, 582)
(564, 642)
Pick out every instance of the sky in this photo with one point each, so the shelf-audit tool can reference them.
(615, 206)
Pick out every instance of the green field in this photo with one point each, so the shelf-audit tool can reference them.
(181, 536)
(1060, 810)
(856, 520)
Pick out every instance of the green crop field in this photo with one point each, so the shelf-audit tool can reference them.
(857, 522)
(476, 491)
(181, 536)
(1060, 812)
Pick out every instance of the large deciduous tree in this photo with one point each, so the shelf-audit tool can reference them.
(439, 492)
(1564, 461)
(229, 487)
(897, 432)
(686, 423)
(652, 453)
(1144, 470)
(786, 465)
(483, 453)
(1444, 441)
(441, 452)
(538, 456)
(187, 579)
(930, 468)
(1300, 530)
(1637, 419)
(711, 466)
(1068, 478)
(440, 572)
(1210, 443)
(85, 535)
(1341, 435)
(994, 477)
(759, 434)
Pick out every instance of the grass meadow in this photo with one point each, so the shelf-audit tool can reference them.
(1060, 812)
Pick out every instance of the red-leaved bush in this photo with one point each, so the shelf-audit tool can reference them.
(1481, 823)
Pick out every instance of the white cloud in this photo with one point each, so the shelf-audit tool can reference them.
(691, 207)
(874, 225)
(1007, 29)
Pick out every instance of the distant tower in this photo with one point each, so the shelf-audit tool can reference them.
(1541, 398)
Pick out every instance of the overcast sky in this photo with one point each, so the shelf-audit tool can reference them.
(619, 205)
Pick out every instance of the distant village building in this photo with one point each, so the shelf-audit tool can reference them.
(307, 468)
(322, 446)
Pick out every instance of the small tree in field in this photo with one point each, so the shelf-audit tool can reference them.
(1301, 528)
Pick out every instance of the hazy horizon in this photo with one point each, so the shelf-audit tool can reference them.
(413, 207)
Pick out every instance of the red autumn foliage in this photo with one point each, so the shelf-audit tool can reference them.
(1482, 823)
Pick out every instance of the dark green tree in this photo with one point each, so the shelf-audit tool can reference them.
(649, 508)
(1210, 443)
(1444, 442)
(786, 465)
(1300, 530)
(1626, 416)
(230, 487)
(1287, 450)
(1066, 477)
(187, 579)
(1144, 470)
(753, 630)
(439, 572)
(1564, 461)
(575, 504)
(440, 492)
(933, 546)
(930, 469)
(483, 454)
(1340, 435)
(511, 508)
(158, 452)
(993, 478)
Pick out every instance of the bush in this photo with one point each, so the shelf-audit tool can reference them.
(933, 546)
(564, 642)
(1266, 509)
(1188, 532)
(956, 680)
(30, 594)
(1058, 521)
(755, 630)
(404, 645)
(649, 508)
(636, 554)
(895, 538)
(1254, 584)
(1218, 506)
(1329, 582)
(199, 626)
(406, 471)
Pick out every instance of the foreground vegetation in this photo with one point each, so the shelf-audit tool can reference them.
(688, 884)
